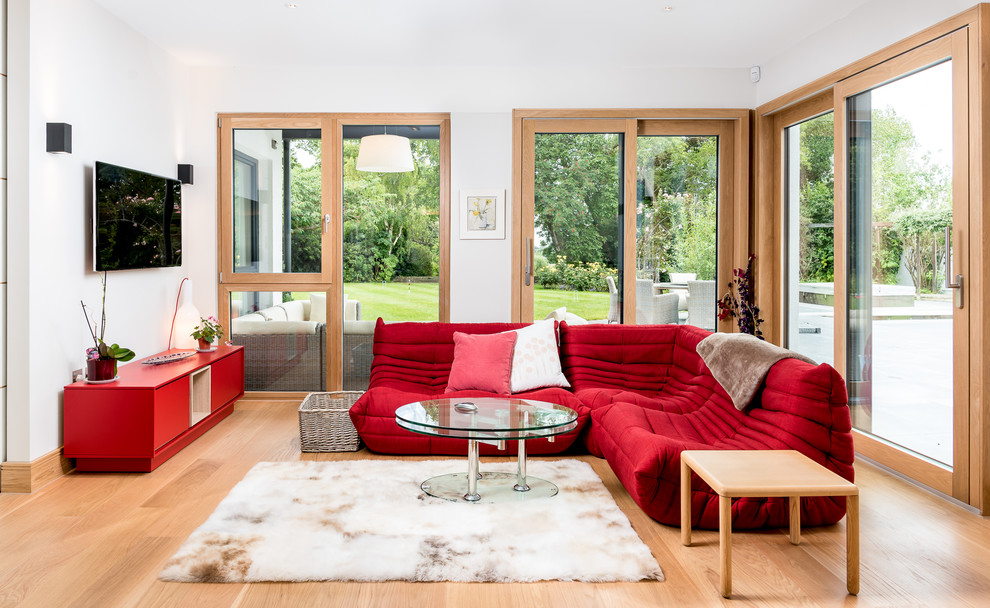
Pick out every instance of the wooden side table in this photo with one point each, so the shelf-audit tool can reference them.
(766, 473)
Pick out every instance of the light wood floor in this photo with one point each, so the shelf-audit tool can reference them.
(100, 540)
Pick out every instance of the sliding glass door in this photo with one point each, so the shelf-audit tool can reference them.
(574, 205)
(274, 262)
(901, 309)
(620, 220)
(677, 219)
(391, 243)
(809, 219)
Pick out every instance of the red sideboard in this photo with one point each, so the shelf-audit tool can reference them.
(152, 411)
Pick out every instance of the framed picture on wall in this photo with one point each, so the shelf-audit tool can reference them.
(482, 214)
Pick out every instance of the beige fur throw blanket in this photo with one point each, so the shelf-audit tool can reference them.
(740, 362)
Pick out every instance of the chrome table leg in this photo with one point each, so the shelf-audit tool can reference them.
(521, 485)
(472, 473)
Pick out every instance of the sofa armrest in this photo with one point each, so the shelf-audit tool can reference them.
(816, 393)
(810, 404)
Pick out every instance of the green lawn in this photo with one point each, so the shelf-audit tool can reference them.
(396, 301)
(588, 305)
(418, 302)
(392, 301)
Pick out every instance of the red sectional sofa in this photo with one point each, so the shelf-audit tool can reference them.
(412, 363)
(652, 396)
(649, 396)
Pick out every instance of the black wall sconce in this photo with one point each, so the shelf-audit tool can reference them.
(186, 174)
(59, 138)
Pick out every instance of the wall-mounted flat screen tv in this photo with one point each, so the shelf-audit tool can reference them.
(137, 219)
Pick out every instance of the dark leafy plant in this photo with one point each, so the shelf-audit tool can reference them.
(741, 305)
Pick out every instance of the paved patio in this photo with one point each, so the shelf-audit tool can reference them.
(912, 371)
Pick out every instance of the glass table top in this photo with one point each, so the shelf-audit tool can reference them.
(486, 418)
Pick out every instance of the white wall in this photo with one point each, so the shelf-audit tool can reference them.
(866, 30)
(480, 101)
(480, 269)
(70, 61)
(3, 229)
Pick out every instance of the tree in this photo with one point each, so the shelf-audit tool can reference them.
(817, 201)
(905, 181)
(678, 206)
(921, 232)
(576, 196)
(305, 189)
(391, 222)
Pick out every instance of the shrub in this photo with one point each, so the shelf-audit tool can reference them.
(573, 276)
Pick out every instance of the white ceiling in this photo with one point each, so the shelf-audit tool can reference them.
(628, 33)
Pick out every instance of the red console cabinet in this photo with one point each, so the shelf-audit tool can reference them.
(152, 411)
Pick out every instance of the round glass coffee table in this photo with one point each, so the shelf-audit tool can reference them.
(492, 420)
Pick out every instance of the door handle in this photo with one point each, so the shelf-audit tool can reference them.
(956, 284)
(529, 260)
(326, 223)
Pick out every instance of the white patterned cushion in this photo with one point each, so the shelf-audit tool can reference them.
(535, 361)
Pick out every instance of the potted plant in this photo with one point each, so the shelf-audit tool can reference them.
(208, 331)
(102, 358)
(742, 306)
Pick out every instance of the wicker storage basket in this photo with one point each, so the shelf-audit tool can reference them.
(324, 422)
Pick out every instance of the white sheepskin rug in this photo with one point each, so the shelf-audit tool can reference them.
(368, 520)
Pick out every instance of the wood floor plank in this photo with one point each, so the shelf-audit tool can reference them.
(100, 539)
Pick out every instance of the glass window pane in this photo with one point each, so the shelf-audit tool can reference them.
(284, 339)
(899, 350)
(677, 230)
(578, 225)
(809, 186)
(391, 243)
(277, 210)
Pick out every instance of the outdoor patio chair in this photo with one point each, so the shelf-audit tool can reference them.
(613, 301)
(654, 309)
(701, 304)
(681, 277)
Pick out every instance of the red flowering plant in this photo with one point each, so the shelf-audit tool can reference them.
(741, 305)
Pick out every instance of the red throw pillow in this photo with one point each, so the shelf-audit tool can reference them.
(482, 362)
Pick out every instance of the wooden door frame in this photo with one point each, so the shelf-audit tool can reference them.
(526, 232)
(954, 481)
(225, 128)
(819, 96)
(734, 210)
(770, 245)
(331, 150)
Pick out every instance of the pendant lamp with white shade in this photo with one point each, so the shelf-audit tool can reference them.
(385, 154)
